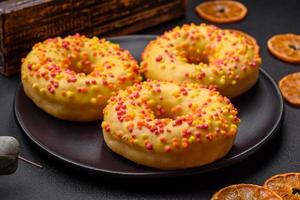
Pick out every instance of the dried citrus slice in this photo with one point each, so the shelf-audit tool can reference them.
(245, 192)
(251, 40)
(285, 185)
(286, 47)
(290, 88)
(222, 11)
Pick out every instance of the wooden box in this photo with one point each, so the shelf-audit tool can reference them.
(25, 22)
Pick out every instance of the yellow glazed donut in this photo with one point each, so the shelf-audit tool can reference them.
(203, 54)
(170, 126)
(72, 78)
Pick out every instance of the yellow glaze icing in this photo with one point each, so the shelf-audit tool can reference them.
(203, 54)
(170, 126)
(72, 78)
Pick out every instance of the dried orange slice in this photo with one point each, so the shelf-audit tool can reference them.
(251, 40)
(285, 185)
(222, 11)
(245, 192)
(286, 47)
(290, 88)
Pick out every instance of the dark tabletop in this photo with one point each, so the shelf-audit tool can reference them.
(281, 154)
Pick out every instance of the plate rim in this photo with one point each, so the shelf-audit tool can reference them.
(163, 173)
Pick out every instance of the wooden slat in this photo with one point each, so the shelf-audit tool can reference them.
(24, 24)
(98, 14)
(1, 32)
(120, 10)
(2, 63)
(170, 13)
(35, 13)
(144, 17)
(40, 15)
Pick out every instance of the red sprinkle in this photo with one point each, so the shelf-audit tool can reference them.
(159, 58)
(149, 146)
(167, 148)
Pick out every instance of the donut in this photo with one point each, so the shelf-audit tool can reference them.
(168, 125)
(203, 54)
(72, 78)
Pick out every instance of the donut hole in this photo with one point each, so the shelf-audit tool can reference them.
(81, 69)
(163, 115)
(197, 59)
(81, 64)
(193, 54)
(163, 110)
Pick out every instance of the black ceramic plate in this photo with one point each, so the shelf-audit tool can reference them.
(81, 144)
